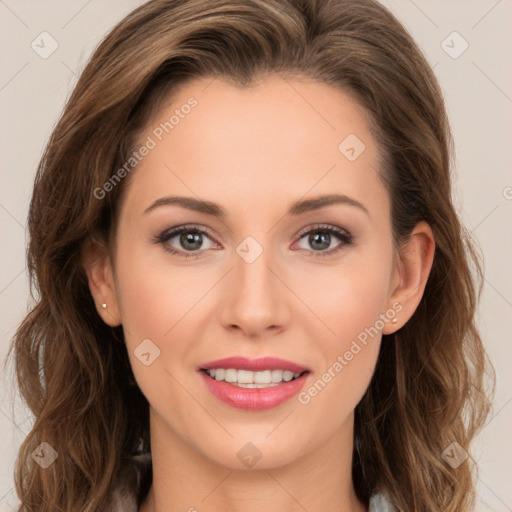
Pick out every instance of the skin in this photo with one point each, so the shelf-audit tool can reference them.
(255, 151)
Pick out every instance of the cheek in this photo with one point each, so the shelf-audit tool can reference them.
(159, 302)
(350, 298)
(347, 357)
(153, 294)
(352, 303)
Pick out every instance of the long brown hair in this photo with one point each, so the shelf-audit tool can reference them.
(429, 387)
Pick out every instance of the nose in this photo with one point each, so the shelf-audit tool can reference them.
(254, 300)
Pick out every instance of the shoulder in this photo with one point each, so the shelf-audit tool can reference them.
(122, 500)
(380, 503)
(131, 485)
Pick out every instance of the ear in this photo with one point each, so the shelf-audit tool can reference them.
(100, 275)
(414, 262)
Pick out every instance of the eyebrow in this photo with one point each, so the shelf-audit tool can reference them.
(297, 208)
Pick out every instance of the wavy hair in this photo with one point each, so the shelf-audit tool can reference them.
(429, 386)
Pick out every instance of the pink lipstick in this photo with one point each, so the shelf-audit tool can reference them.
(254, 384)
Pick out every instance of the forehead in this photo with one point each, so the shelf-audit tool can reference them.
(254, 145)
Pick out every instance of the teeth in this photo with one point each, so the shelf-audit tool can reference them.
(287, 376)
(250, 379)
(272, 384)
(245, 377)
(277, 375)
(231, 375)
(264, 377)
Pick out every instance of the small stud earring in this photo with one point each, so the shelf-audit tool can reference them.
(394, 320)
(104, 306)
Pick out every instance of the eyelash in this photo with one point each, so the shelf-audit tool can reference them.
(343, 236)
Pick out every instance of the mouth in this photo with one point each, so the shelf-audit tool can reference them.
(251, 379)
(253, 384)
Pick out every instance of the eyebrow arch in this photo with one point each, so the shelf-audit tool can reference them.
(322, 201)
(297, 208)
(190, 203)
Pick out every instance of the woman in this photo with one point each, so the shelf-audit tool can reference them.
(254, 290)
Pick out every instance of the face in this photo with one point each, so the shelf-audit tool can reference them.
(280, 274)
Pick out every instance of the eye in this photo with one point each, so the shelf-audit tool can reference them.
(184, 241)
(321, 238)
(188, 241)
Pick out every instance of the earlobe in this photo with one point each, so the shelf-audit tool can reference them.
(415, 262)
(96, 263)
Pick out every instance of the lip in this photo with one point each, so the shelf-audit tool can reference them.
(254, 399)
(255, 365)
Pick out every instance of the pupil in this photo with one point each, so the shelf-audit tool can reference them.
(191, 240)
(322, 238)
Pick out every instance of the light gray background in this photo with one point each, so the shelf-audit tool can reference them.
(478, 91)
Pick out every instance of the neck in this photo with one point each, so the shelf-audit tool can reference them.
(187, 480)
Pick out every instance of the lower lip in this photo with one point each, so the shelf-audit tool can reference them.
(254, 399)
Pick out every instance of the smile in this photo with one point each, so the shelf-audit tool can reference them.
(250, 379)
(254, 384)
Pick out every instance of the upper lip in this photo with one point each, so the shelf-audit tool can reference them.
(255, 365)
